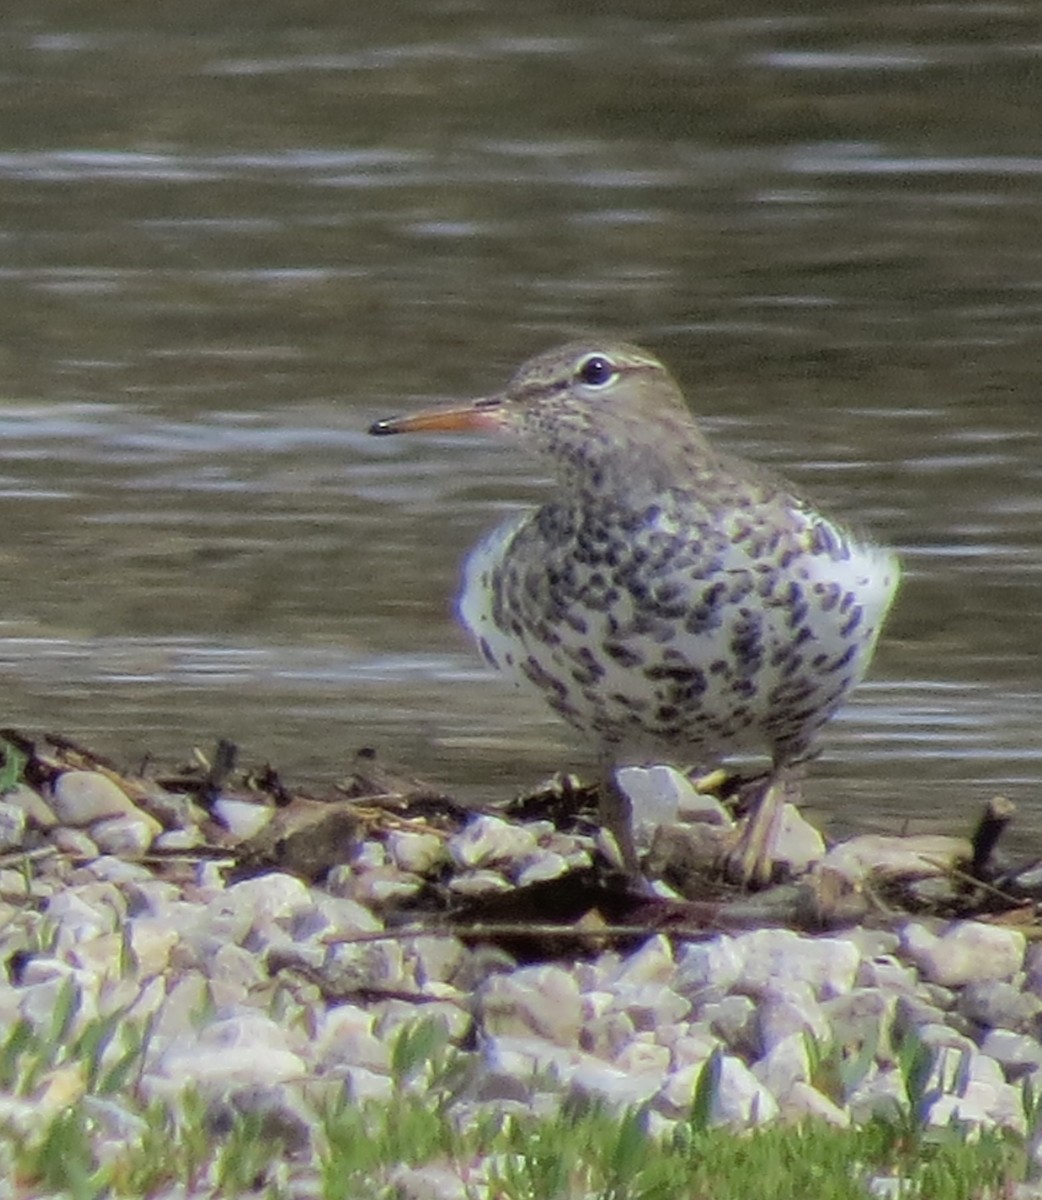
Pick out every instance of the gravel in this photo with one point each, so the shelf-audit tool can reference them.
(267, 992)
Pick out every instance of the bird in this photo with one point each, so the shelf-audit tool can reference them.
(670, 601)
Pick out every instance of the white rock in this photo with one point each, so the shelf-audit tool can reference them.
(258, 903)
(45, 968)
(522, 1056)
(188, 997)
(650, 1006)
(652, 963)
(352, 967)
(997, 1004)
(741, 1099)
(656, 795)
(126, 837)
(533, 1000)
(363, 1085)
(709, 970)
(76, 843)
(882, 1094)
(13, 823)
(487, 839)
(452, 1015)
(779, 957)
(114, 1119)
(607, 1035)
(546, 864)
(785, 1064)
(804, 1102)
(36, 809)
(873, 943)
(863, 1015)
(678, 1092)
(22, 1117)
(640, 1058)
(101, 956)
(172, 840)
(738, 1098)
(886, 973)
(379, 887)
(733, 1020)
(37, 1001)
(133, 1002)
(953, 1050)
(233, 972)
(151, 941)
(345, 916)
(792, 1009)
(480, 883)
(692, 1049)
(416, 852)
(1018, 1053)
(437, 959)
(247, 1049)
(83, 797)
(369, 855)
(896, 857)
(346, 1037)
(115, 870)
(798, 843)
(241, 818)
(981, 1104)
(619, 1089)
(81, 914)
(965, 952)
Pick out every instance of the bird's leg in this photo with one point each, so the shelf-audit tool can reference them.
(751, 861)
(616, 814)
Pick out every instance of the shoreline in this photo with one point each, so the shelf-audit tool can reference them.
(199, 902)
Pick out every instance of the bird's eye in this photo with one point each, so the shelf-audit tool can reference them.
(596, 371)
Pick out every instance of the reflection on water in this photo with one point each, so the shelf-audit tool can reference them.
(225, 253)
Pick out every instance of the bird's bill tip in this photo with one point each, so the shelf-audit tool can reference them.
(465, 418)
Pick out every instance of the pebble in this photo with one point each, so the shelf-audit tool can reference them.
(242, 819)
(173, 840)
(36, 809)
(548, 865)
(418, 853)
(740, 1100)
(126, 837)
(965, 952)
(74, 842)
(897, 857)
(13, 821)
(485, 840)
(244, 1049)
(480, 883)
(543, 1001)
(256, 991)
(83, 797)
(784, 1065)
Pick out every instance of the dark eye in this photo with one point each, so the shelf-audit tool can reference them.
(597, 370)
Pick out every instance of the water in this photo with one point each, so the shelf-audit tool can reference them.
(227, 249)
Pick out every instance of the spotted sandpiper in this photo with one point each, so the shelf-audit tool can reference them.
(670, 601)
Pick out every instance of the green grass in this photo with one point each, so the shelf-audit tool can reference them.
(583, 1151)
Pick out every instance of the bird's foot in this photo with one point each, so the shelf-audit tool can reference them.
(751, 862)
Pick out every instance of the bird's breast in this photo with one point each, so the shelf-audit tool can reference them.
(662, 626)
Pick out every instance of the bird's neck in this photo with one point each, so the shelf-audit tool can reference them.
(628, 457)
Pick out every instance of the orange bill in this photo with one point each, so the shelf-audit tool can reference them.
(482, 415)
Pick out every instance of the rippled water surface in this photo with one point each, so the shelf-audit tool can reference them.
(228, 245)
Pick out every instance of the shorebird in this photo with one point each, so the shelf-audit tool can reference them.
(670, 601)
